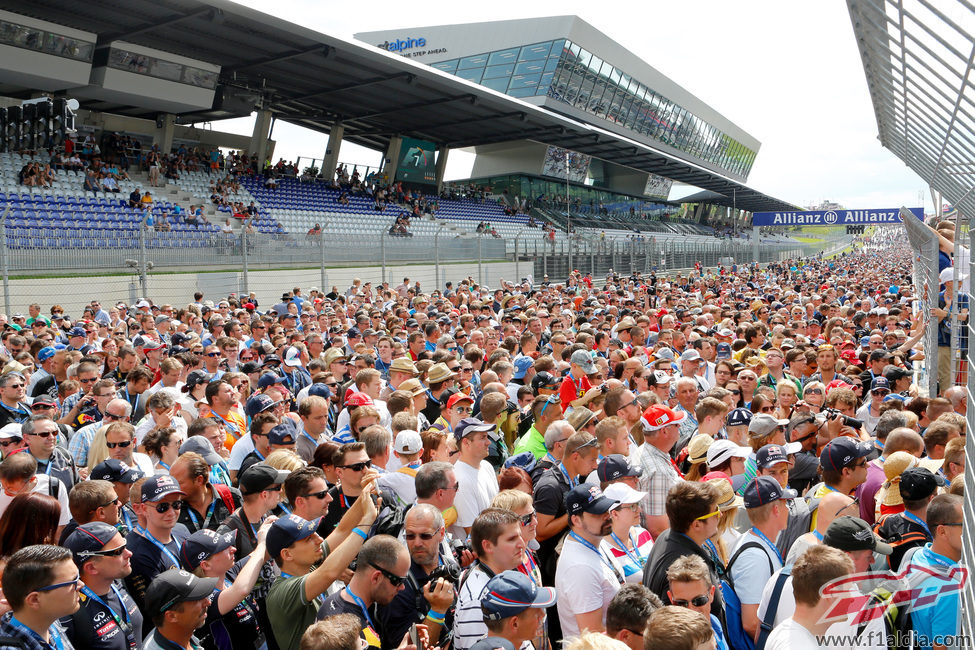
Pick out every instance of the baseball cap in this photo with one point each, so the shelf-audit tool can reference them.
(249, 367)
(458, 397)
(287, 530)
(12, 430)
(660, 378)
(545, 380)
(292, 357)
(509, 593)
(583, 359)
(44, 401)
(408, 442)
(259, 477)
(920, 483)
(880, 383)
(664, 353)
(690, 355)
(201, 446)
(840, 452)
(45, 353)
(269, 379)
(615, 466)
(763, 490)
(721, 450)
(493, 643)
(77, 331)
(150, 344)
(739, 417)
(87, 540)
(948, 275)
(763, 424)
(657, 417)
(205, 543)
(770, 455)
(722, 351)
(849, 533)
(522, 364)
(176, 586)
(358, 399)
(588, 498)
(195, 378)
(115, 471)
(469, 426)
(280, 432)
(525, 460)
(623, 493)
(258, 403)
(159, 486)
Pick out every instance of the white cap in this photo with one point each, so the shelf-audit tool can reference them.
(623, 493)
(408, 442)
(948, 275)
(11, 430)
(721, 450)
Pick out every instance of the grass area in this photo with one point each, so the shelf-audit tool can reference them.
(807, 240)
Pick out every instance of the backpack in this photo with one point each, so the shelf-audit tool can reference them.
(767, 623)
(226, 496)
(737, 637)
(800, 521)
(895, 619)
(918, 539)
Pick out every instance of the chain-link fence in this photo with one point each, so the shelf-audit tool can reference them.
(924, 257)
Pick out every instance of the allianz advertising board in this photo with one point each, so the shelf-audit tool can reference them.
(832, 217)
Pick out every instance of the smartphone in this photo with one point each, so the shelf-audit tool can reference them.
(414, 636)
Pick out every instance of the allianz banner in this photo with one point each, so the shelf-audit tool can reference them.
(832, 217)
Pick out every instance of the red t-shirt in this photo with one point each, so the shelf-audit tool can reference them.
(572, 389)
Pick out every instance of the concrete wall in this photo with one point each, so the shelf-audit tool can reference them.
(73, 293)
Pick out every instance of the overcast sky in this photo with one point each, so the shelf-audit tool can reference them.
(788, 73)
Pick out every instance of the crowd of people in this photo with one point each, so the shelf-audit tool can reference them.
(716, 459)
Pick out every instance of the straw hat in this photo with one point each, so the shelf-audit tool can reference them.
(438, 373)
(727, 499)
(697, 448)
(894, 466)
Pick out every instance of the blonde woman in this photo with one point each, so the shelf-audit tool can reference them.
(785, 399)
(628, 542)
(726, 536)
(284, 459)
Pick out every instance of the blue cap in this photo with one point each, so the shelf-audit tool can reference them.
(203, 544)
(287, 530)
(87, 540)
(739, 417)
(45, 353)
(525, 460)
(159, 486)
(722, 351)
(764, 490)
(269, 379)
(616, 466)
(77, 331)
(864, 341)
(115, 471)
(896, 396)
(278, 435)
(509, 593)
(320, 390)
(840, 452)
(258, 403)
(880, 383)
(522, 364)
(588, 498)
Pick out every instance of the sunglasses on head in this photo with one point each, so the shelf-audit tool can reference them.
(164, 507)
(123, 444)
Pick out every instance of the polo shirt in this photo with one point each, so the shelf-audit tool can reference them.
(532, 441)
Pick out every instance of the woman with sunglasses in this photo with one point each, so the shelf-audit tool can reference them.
(628, 542)
(813, 397)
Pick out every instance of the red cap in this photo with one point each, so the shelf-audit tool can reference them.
(358, 399)
(458, 397)
(658, 416)
(837, 383)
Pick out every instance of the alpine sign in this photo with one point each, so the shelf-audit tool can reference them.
(832, 217)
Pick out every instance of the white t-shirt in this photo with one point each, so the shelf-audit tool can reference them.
(791, 636)
(43, 487)
(239, 451)
(787, 601)
(402, 484)
(478, 487)
(584, 584)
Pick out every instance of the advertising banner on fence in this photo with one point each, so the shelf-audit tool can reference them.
(832, 217)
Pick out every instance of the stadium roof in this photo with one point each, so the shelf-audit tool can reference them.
(315, 80)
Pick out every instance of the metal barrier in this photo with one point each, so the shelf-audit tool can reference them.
(924, 254)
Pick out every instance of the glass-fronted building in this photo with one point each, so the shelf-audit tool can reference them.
(567, 72)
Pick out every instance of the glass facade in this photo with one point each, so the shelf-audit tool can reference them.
(154, 67)
(39, 40)
(566, 72)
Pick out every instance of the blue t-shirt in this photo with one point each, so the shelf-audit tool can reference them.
(940, 617)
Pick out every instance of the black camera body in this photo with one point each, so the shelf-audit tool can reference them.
(853, 423)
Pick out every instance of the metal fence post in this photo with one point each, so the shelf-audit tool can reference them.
(322, 247)
(4, 260)
(592, 259)
(243, 253)
(480, 272)
(143, 272)
(632, 254)
(382, 246)
(517, 261)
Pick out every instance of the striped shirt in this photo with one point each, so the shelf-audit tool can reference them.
(469, 624)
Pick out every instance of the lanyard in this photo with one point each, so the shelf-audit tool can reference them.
(126, 516)
(206, 520)
(219, 475)
(712, 549)
(530, 569)
(938, 559)
(759, 534)
(818, 535)
(55, 635)
(673, 464)
(47, 470)
(124, 622)
(635, 555)
(565, 473)
(162, 547)
(602, 557)
(550, 457)
(286, 509)
(165, 466)
(231, 427)
(362, 606)
(910, 516)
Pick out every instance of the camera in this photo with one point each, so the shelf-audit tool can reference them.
(457, 547)
(853, 423)
(448, 571)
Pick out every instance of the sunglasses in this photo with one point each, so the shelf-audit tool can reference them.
(358, 467)
(813, 391)
(317, 495)
(45, 434)
(113, 502)
(163, 508)
(123, 445)
(394, 579)
(426, 537)
(527, 519)
(697, 601)
(708, 516)
(74, 584)
(213, 354)
(10, 443)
